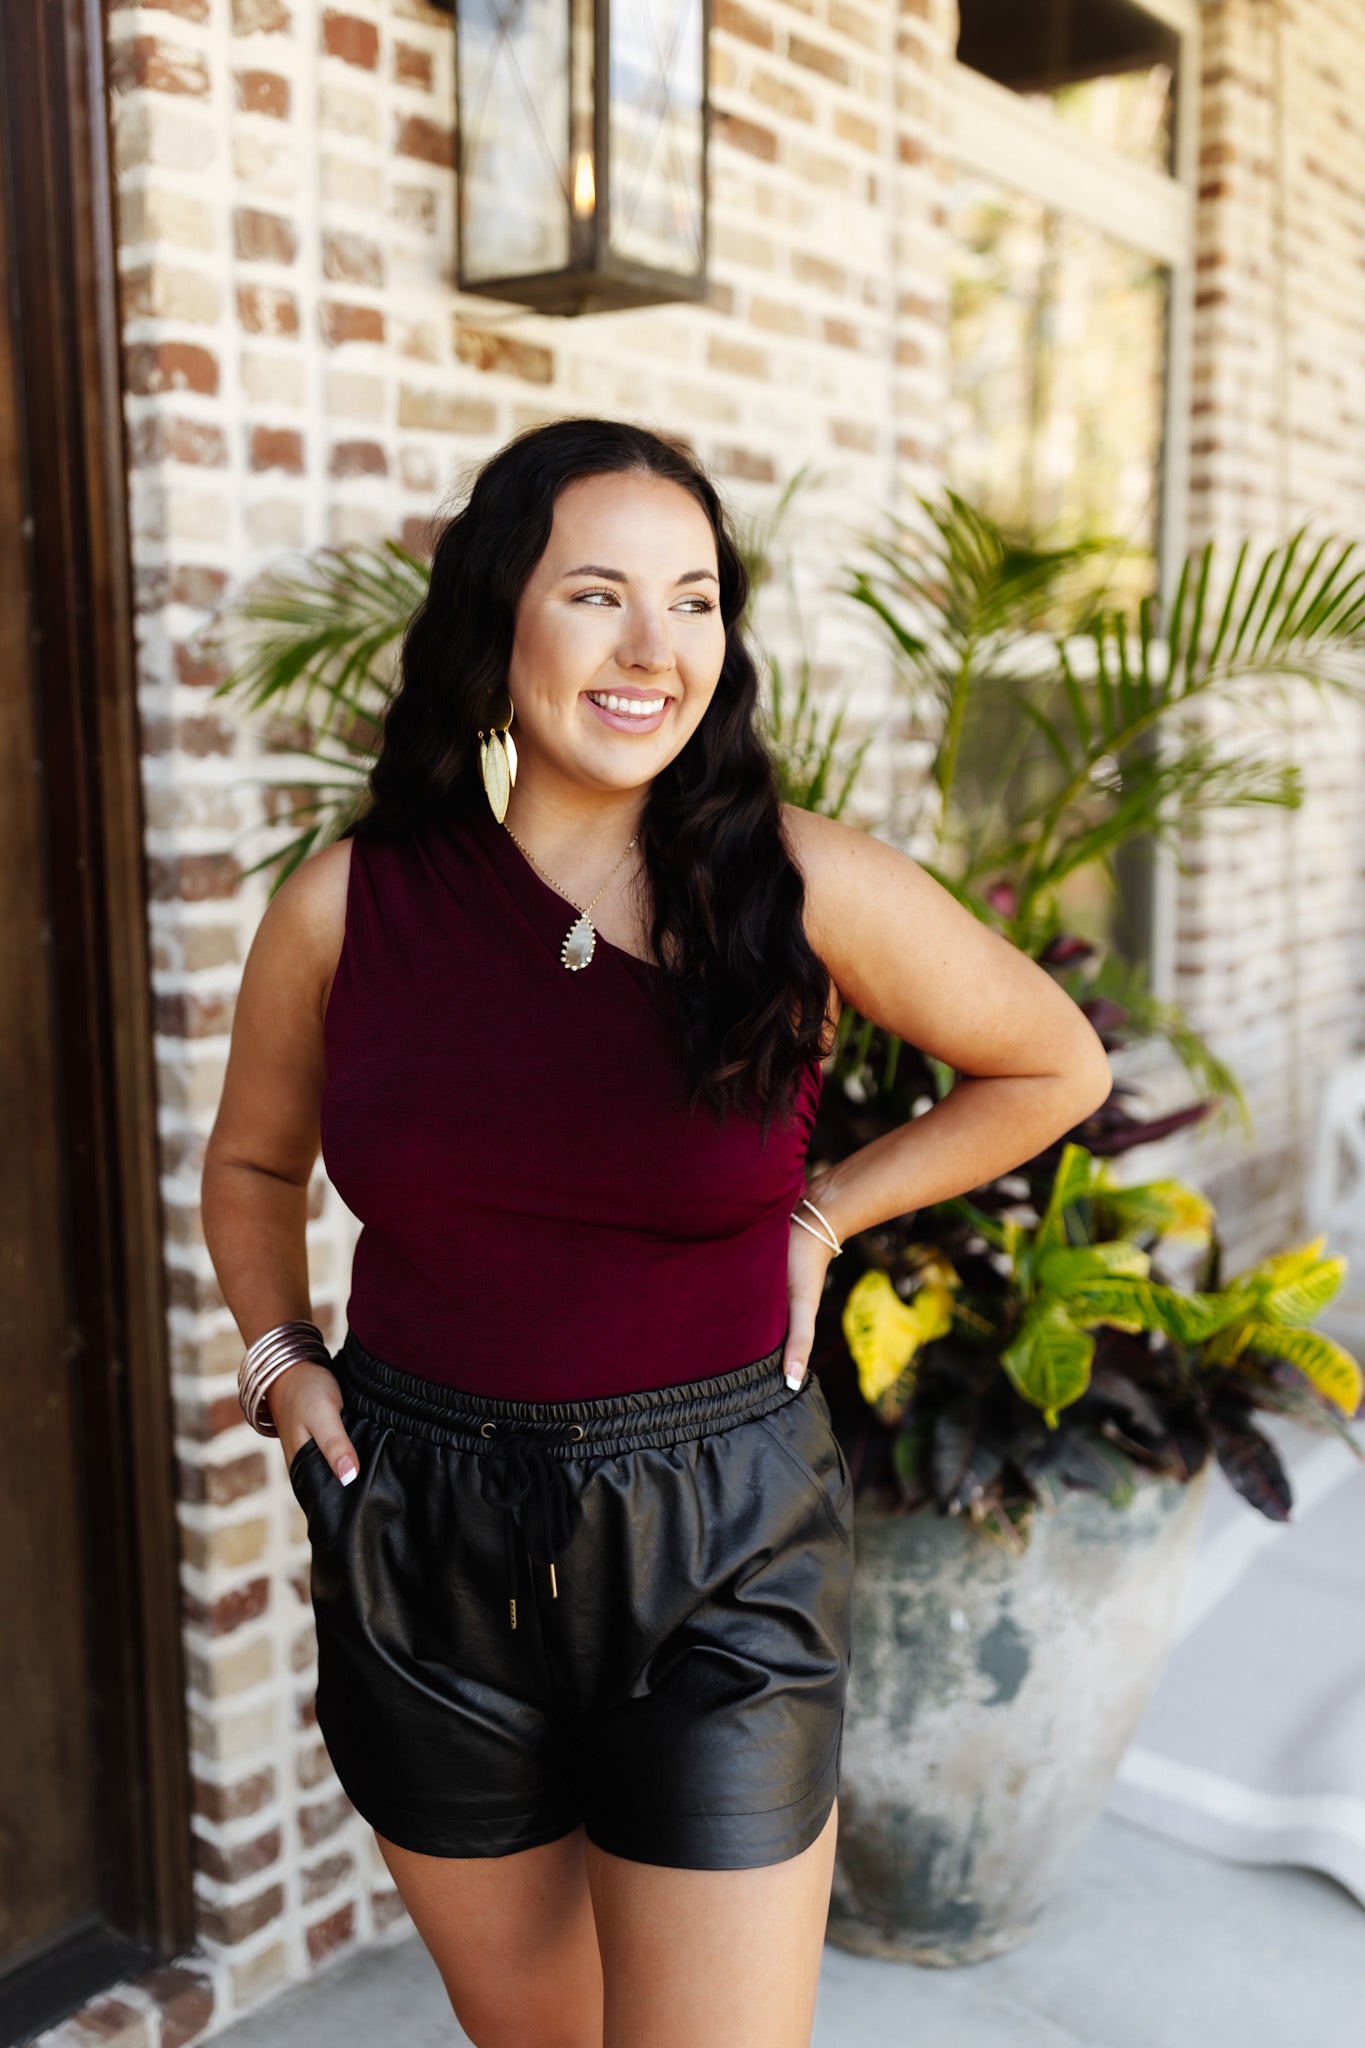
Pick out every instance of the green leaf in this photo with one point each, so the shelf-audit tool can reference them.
(1048, 1360)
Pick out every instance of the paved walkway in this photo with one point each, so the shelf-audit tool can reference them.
(1149, 1946)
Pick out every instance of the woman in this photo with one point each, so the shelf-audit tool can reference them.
(555, 1011)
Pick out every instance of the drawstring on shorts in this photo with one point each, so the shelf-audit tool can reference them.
(523, 1471)
(525, 1452)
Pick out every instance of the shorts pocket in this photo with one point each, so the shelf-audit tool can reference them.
(802, 1429)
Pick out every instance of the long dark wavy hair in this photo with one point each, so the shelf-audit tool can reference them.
(749, 993)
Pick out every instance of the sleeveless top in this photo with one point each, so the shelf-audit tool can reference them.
(541, 1217)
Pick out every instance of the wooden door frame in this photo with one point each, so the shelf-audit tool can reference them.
(55, 159)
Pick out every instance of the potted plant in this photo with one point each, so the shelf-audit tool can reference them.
(1028, 1401)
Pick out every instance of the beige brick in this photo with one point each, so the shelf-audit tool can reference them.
(232, 1738)
(170, 291)
(351, 258)
(344, 111)
(229, 1547)
(259, 237)
(260, 17)
(785, 97)
(162, 134)
(417, 469)
(348, 394)
(150, 213)
(196, 516)
(348, 182)
(273, 379)
(487, 349)
(275, 523)
(234, 1667)
(416, 206)
(444, 412)
(363, 525)
(256, 1976)
(266, 160)
(732, 18)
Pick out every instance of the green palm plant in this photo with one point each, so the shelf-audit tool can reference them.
(1013, 638)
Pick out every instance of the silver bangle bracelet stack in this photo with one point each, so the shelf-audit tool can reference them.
(297, 1343)
(826, 1236)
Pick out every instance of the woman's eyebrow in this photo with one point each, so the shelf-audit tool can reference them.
(619, 575)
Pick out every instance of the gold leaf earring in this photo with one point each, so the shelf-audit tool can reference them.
(498, 759)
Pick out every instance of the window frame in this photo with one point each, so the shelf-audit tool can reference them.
(994, 133)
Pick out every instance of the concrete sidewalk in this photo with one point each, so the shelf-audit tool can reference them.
(1149, 1946)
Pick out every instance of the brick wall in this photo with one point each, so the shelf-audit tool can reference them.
(1269, 925)
(300, 370)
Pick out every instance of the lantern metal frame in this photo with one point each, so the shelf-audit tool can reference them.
(595, 280)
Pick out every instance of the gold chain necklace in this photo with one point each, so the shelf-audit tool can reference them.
(580, 940)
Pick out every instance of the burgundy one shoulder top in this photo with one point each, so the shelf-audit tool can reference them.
(541, 1217)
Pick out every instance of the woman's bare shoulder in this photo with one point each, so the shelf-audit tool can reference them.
(306, 917)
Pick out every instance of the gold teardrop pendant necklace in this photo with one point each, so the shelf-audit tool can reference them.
(580, 940)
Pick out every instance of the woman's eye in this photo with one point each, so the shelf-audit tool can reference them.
(702, 604)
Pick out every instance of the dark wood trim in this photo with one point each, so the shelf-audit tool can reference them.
(55, 158)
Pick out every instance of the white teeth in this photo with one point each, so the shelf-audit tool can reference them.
(634, 707)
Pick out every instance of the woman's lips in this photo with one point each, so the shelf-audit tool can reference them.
(628, 721)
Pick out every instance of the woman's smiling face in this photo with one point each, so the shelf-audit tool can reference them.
(624, 603)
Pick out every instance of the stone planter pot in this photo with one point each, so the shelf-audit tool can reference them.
(990, 1700)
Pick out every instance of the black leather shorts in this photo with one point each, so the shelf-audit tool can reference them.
(632, 1613)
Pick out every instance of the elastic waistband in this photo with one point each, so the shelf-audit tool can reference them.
(572, 1428)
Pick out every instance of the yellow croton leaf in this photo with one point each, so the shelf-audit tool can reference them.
(884, 1333)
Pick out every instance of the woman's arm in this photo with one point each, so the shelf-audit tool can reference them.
(907, 955)
(265, 1139)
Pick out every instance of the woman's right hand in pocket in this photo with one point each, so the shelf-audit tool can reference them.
(305, 1401)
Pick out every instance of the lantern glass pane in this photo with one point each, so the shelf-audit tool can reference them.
(658, 61)
(513, 58)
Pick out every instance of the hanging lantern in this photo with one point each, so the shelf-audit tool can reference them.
(582, 131)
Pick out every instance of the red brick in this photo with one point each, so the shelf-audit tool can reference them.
(265, 309)
(221, 1615)
(353, 40)
(243, 1859)
(192, 877)
(276, 448)
(155, 66)
(323, 1877)
(358, 458)
(426, 140)
(196, 670)
(185, 1999)
(232, 1924)
(152, 366)
(184, 1013)
(262, 92)
(326, 1936)
(320, 1820)
(223, 1484)
(412, 67)
(342, 323)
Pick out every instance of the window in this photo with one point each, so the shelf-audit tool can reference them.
(1072, 230)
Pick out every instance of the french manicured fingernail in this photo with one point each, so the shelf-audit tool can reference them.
(794, 1379)
(347, 1469)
